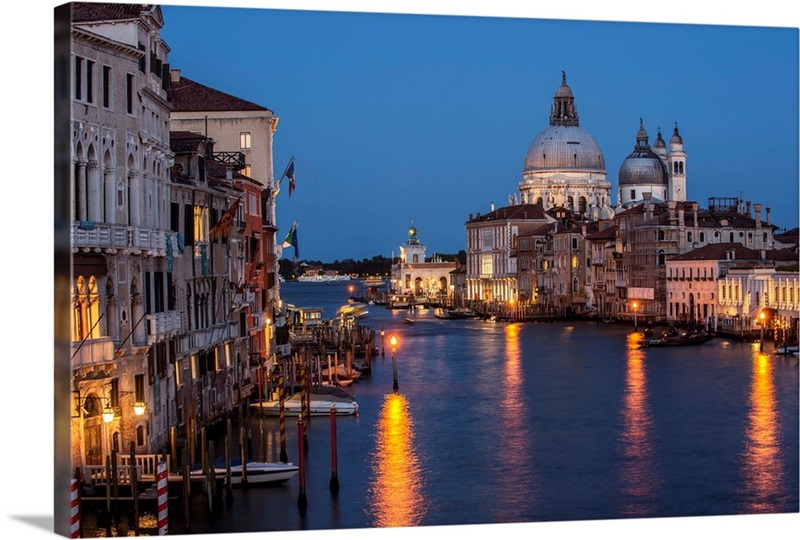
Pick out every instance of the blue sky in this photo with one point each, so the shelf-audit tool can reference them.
(394, 118)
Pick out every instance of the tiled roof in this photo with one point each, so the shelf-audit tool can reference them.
(517, 212)
(184, 141)
(188, 95)
(88, 12)
(609, 233)
(719, 252)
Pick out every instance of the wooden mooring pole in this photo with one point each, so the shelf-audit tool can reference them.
(302, 500)
(334, 484)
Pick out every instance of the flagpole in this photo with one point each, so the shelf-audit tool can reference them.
(286, 169)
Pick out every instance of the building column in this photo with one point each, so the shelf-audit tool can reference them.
(94, 198)
(134, 198)
(110, 192)
(80, 192)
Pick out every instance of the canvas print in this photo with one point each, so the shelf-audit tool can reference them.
(323, 271)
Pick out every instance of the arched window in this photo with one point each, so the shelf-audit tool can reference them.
(702, 237)
(661, 257)
(582, 205)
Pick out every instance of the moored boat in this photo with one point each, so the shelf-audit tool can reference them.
(260, 473)
(675, 339)
(320, 405)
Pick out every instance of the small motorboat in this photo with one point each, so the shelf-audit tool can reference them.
(320, 405)
(256, 472)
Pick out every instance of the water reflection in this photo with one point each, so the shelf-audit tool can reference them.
(514, 451)
(638, 480)
(762, 467)
(396, 498)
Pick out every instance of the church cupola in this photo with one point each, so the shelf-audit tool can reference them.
(660, 147)
(564, 112)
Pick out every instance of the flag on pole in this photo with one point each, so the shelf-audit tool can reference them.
(222, 228)
(290, 176)
(291, 239)
(289, 173)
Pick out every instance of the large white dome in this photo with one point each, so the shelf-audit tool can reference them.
(564, 148)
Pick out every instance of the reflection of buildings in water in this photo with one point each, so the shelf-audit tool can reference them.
(638, 477)
(761, 464)
(396, 498)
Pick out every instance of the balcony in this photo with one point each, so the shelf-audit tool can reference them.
(93, 352)
(112, 238)
(162, 325)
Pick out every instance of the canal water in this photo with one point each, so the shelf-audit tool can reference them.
(498, 422)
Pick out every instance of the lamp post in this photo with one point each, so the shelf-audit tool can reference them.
(635, 321)
(393, 343)
(761, 316)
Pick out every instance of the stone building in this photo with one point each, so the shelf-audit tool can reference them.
(492, 251)
(414, 275)
(123, 326)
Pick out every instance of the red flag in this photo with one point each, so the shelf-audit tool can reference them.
(222, 228)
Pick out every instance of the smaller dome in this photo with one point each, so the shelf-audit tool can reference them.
(659, 141)
(643, 166)
(676, 137)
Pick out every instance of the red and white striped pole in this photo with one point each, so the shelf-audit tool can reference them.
(74, 510)
(161, 482)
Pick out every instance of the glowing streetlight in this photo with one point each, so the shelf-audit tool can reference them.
(393, 343)
(108, 415)
(761, 316)
(635, 321)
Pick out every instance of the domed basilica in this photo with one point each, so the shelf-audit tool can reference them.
(565, 167)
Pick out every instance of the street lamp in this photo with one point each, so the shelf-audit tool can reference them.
(635, 322)
(761, 316)
(393, 343)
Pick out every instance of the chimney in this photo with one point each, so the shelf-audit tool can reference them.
(747, 206)
(694, 213)
(769, 219)
(757, 208)
(175, 75)
(470, 217)
(671, 205)
(492, 207)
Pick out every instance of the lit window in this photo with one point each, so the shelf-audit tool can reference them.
(486, 265)
(244, 140)
(200, 223)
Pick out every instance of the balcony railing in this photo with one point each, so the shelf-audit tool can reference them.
(92, 352)
(118, 237)
(160, 325)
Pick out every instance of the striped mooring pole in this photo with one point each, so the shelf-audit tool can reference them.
(74, 510)
(161, 482)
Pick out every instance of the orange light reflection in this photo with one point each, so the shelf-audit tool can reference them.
(637, 467)
(396, 491)
(762, 467)
(516, 433)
